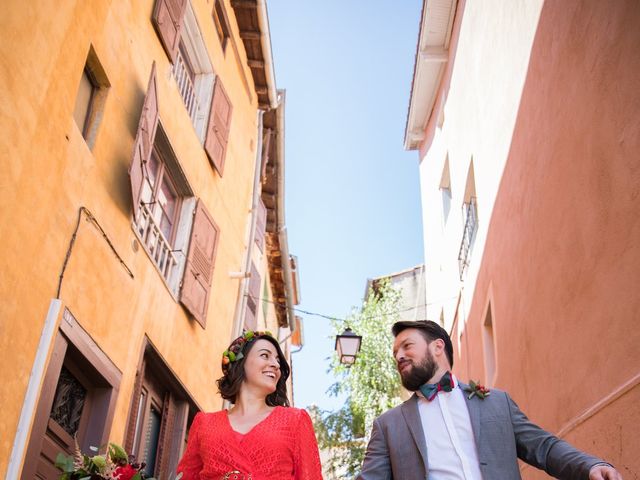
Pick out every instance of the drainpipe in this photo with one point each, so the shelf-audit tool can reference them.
(281, 227)
(265, 43)
(243, 289)
(33, 389)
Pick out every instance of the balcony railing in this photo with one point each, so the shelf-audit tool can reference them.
(183, 75)
(470, 227)
(155, 242)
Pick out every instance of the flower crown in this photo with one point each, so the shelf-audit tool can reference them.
(235, 351)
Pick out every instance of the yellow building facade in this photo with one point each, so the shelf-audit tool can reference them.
(143, 220)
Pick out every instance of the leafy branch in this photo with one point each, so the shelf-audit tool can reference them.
(371, 385)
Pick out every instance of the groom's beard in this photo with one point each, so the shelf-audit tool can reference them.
(418, 375)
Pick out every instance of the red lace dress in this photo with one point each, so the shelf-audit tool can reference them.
(281, 447)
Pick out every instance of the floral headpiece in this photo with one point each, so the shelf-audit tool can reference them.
(235, 351)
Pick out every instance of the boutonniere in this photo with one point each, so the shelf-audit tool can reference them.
(477, 389)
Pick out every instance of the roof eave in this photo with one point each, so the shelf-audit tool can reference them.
(253, 24)
(432, 55)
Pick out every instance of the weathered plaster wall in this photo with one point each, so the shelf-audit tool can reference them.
(49, 172)
(557, 180)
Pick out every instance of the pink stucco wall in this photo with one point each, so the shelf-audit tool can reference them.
(561, 264)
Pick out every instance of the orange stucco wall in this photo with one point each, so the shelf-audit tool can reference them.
(561, 262)
(49, 172)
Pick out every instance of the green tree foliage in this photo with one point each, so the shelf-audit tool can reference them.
(371, 385)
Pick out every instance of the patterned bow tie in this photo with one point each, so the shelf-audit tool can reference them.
(430, 390)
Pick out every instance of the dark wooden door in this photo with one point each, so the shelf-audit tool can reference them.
(68, 418)
(76, 402)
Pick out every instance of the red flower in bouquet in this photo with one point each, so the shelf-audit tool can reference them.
(125, 472)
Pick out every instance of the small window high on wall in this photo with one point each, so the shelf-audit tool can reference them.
(90, 98)
(221, 22)
(470, 222)
(489, 346)
(445, 190)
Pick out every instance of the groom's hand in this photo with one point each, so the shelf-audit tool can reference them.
(604, 472)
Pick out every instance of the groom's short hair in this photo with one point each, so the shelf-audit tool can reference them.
(430, 330)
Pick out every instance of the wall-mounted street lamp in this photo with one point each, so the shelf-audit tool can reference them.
(348, 346)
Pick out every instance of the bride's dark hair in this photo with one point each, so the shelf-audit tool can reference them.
(231, 381)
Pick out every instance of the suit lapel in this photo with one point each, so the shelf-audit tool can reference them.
(475, 412)
(412, 417)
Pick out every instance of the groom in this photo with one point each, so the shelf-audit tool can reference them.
(441, 433)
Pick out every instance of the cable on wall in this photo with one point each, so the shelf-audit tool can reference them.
(96, 224)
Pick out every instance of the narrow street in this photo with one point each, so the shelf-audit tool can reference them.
(216, 212)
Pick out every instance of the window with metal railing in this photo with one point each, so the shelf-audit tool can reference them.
(158, 217)
(156, 243)
(193, 72)
(468, 235)
(185, 76)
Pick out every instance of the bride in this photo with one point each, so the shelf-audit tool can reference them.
(261, 437)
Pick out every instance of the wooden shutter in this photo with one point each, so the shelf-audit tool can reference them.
(254, 286)
(218, 129)
(133, 410)
(266, 148)
(261, 225)
(168, 18)
(166, 435)
(198, 272)
(250, 316)
(250, 321)
(143, 145)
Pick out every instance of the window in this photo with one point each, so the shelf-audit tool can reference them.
(77, 401)
(206, 101)
(159, 416)
(468, 235)
(180, 35)
(168, 20)
(173, 226)
(261, 225)
(445, 190)
(185, 75)
(90, 98)
(253, 299)
(83, 100)
(147, 434)
(160, 197)
(165, 211)
(489, 348)
(69, 399)
(265, 302)
(470, 222)
(221, 23)
(193, 73)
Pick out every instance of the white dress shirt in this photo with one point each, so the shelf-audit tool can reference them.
(451, 447)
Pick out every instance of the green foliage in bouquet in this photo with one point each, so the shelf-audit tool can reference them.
(114, 464)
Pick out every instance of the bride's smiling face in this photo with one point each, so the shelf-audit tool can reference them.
(262, 366)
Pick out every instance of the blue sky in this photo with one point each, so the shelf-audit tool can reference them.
(352, 192)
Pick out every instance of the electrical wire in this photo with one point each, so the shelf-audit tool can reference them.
(67, 256)
(330, 317)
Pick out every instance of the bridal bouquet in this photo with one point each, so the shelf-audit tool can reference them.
(115, 464)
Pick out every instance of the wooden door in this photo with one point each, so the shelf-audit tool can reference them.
(76, 402)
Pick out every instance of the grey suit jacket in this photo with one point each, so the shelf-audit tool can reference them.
(397, 448)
